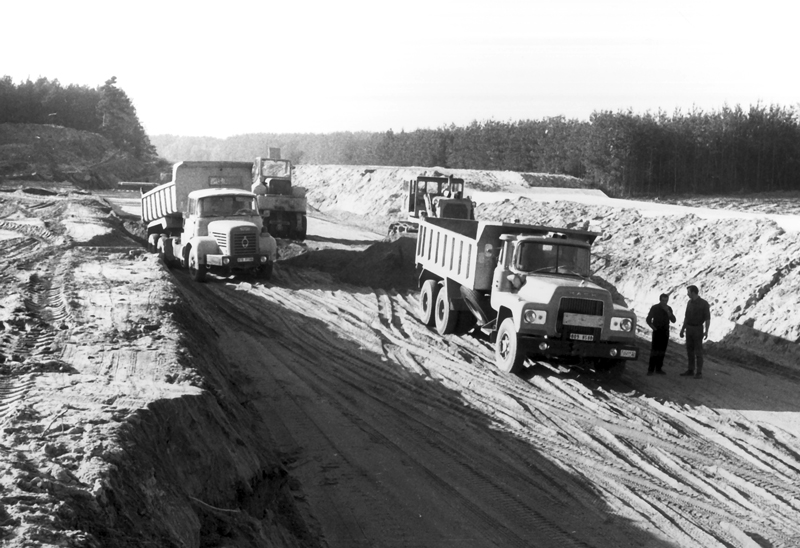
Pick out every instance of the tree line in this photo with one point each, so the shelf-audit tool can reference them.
(623, 153)
(105, 109)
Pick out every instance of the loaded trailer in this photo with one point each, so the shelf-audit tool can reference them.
(206, 219)
(528, 287)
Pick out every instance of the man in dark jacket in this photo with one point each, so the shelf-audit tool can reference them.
(658, 319)
(695, 326)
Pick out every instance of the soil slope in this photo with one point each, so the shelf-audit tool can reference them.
(139, 408)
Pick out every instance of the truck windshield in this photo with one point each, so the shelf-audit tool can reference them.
(226, 206)
(553, 258)
(275, 168)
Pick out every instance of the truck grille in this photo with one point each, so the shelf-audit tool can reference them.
(587, 307)
(242, 243)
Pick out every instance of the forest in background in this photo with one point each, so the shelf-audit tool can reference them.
(732, 150)
(106, 110)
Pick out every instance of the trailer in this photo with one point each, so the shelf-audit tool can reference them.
(526, 286)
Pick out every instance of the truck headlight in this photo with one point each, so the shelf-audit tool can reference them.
(621, 324)
(534, 316)
(263, 258)
(226, 260)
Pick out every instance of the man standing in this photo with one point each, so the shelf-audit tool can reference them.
(659, 319)
(695, 326)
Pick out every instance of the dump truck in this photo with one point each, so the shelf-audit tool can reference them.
(206, 219)
(525, 286)
(437, 197)
(282, 206)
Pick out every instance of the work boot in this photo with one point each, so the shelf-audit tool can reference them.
(660, 372)
(689, 373)
(698, 376)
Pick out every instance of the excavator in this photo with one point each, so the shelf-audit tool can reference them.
(439, 197)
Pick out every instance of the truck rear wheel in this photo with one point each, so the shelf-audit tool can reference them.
(445, 318)
(427, 301)
(506, 349)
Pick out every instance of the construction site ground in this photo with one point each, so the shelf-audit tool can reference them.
(139, 408)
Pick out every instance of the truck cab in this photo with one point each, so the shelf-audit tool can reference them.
(542, 290)
(223, 233)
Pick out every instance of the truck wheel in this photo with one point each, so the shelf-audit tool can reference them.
(506, 349)
(427, 301)
(266, 271)
(196, 270)
(445, 318)
(152, 242)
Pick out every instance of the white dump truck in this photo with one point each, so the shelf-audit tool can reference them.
(527, 287)
(206, 219)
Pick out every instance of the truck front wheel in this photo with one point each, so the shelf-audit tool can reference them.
(445, 318)
(196, 270)
(506, 349)
(427, 301)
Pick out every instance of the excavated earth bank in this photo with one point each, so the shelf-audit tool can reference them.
(124, 424)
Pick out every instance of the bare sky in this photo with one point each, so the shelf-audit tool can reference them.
(312, 66)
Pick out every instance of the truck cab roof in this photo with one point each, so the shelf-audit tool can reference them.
(203, 193)
(554, 240)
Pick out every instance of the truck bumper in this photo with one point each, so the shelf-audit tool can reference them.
(239, 262)
(576, 350)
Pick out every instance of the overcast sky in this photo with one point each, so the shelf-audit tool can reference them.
(232, 67)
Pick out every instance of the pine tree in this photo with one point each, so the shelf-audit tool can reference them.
(120, 123)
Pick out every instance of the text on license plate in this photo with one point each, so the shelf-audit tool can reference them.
(581, 337)
(245, 259)
(628, 353)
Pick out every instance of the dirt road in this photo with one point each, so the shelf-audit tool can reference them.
(402, 438)
(394, 436)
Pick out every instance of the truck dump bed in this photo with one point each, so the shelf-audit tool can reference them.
(466, 251)
(170, 199)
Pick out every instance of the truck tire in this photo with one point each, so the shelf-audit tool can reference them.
(152, 242)
(427, 302)
(196, 270)
(445, 318)
(506, 349)
(266, 271)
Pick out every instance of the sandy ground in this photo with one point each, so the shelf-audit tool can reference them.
(139, 408)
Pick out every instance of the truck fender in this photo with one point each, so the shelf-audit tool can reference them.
(268, 246)
(204, 245)
(502, 314)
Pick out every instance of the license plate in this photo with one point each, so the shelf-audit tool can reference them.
(245, 259)
(581, 337)
(628, 353)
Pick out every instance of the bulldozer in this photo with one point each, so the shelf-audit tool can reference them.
(437, 197)
(282, 207)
